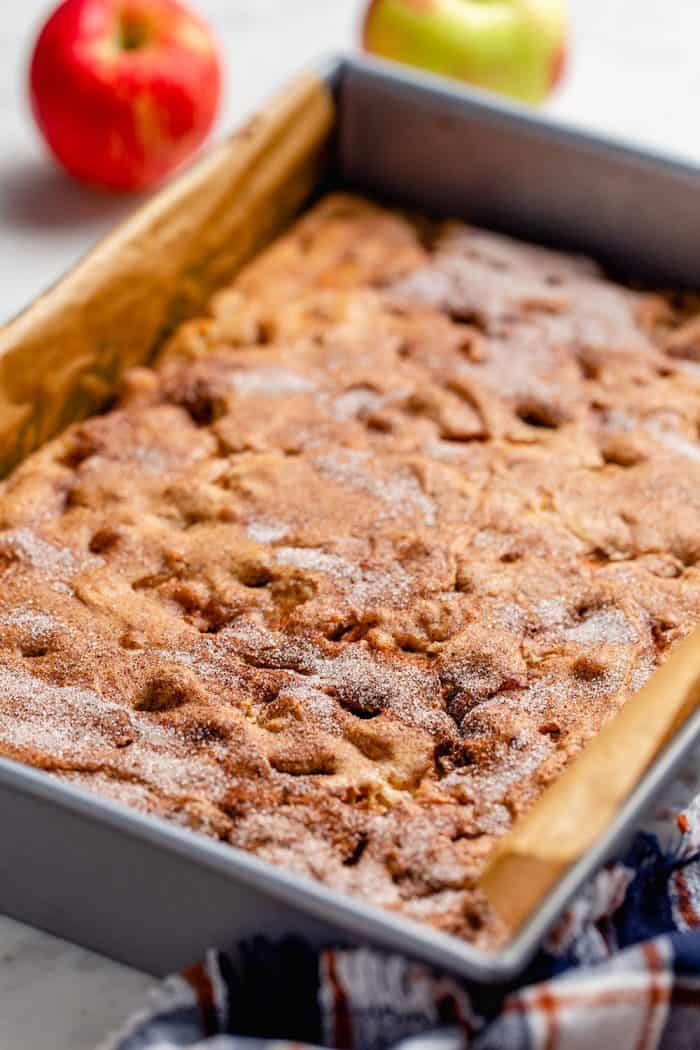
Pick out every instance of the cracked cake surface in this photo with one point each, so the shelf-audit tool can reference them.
(351, 575)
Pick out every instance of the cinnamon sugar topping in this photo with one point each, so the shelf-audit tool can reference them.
(380, 544)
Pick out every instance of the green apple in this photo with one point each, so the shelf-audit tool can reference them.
(516, 47)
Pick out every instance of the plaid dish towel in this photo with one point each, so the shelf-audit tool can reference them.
(621, 970)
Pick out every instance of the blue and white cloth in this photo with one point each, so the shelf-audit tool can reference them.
(620, 972)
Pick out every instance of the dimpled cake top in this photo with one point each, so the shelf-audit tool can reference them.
(383, 540)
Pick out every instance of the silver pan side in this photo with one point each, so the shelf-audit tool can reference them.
(424, 142)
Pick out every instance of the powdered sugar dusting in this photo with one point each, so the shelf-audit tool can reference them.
(400, 490)
(264, 531)
(27, 546)
(82, 720)
(602, 625)
(315, 560)
(362, 585)
(551, 612)
(358, 402)
(362, 681)
(87, 728)
(272, 382)
(31, 622)
(676, 442)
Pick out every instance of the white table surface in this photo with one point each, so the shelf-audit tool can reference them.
(634, 72)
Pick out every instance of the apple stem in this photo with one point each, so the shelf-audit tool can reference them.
(133, 32)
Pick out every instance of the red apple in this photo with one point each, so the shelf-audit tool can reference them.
(123, 91)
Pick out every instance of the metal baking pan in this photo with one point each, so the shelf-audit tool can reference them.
(139, 889)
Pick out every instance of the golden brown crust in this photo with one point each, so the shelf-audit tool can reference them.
(381, 543)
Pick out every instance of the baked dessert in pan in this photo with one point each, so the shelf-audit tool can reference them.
(354, 572)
